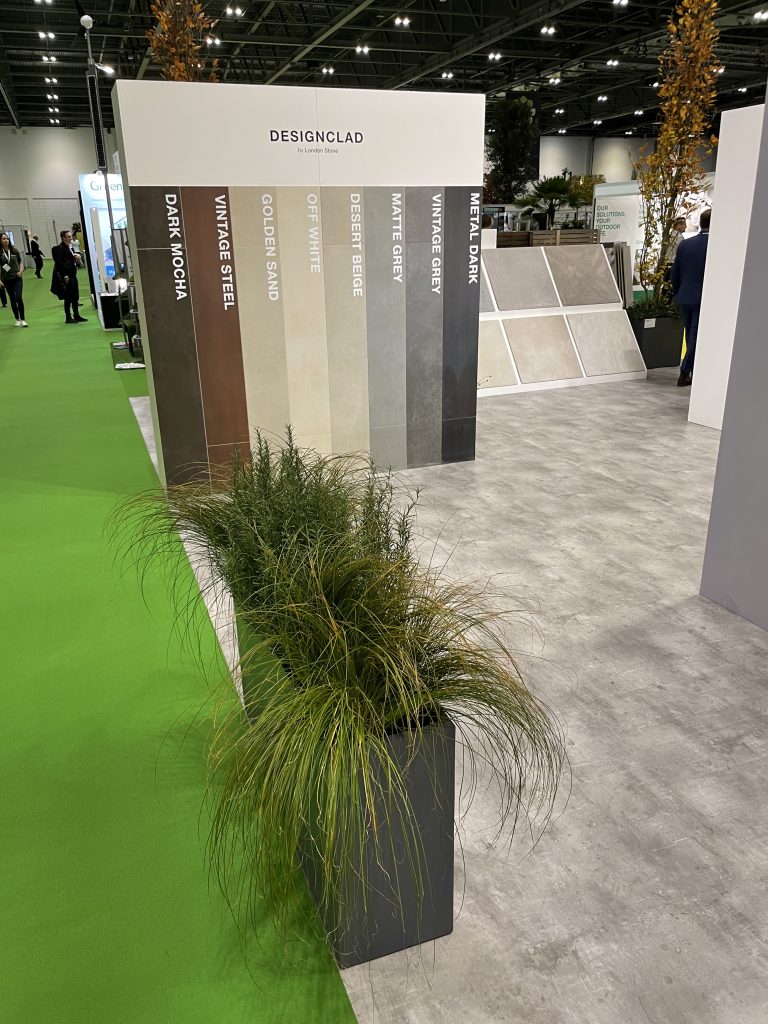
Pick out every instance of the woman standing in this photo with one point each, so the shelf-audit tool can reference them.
(11, 271)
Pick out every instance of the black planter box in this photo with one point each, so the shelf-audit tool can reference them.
(407, 897)
(661, 344)
(385, 914)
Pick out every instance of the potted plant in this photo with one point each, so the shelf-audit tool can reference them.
(671, 178)
(361, 670)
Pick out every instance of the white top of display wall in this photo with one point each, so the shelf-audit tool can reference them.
(200, 133)
(631, 188)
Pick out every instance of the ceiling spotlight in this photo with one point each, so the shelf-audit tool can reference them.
(57, 121)
(561, 131)
(45, 57)
(620, 3)
(41, 35)
(655, 85)
(742, 88)
(613, 63)
(212, 41)
(328, 70)
(106, 68)
(493, 55)
(602, 98)
(720, 70)
(52, 121)
(50, 110)
(234, 12)
(559, 110)
(547, 30)
(362, 48)
(639, 113)
(447, 74)
(403, 22)
(597, 122)
(761, 15)
(555, 80)
(630, 132)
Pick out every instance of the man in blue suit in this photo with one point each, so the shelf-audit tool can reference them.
(687, 285)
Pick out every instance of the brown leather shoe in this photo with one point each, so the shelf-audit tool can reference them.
(684, 380)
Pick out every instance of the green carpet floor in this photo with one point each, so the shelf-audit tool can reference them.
(106, 915)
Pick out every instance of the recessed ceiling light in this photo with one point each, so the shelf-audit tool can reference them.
(402, 22)
(597, 122)
(547, 30)
(362, 48)
(639, 113)
(602, 98)
(447, 74)
(742, 88)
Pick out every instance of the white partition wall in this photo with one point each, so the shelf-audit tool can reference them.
(740, 134)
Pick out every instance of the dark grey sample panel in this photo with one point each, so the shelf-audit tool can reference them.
(461, 310)
(385, 281)
(736, 561)
(582, 275)
(419, 212)
(520, 279)
(170, 337)
(424, 358)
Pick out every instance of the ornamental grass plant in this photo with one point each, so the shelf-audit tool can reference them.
(345, 638)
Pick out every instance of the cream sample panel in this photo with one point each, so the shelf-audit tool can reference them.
(542, 349)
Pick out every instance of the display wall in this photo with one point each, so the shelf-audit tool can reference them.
(740, 133)
(320, 268)
(98, 230)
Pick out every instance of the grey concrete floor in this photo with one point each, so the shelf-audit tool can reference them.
(645, 901)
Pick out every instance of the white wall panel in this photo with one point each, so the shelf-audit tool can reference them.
(740, 135)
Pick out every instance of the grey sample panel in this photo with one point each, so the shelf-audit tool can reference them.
(385, 274)
(736, 561)
(606, 342)
(542, 348)
(494, 367)
(424, 356)
(520, 279)
(486, 299)
(582, 275)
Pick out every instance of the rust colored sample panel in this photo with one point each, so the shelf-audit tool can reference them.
(208, 231)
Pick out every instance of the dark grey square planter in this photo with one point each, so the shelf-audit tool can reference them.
(660, 340)
(387, 914)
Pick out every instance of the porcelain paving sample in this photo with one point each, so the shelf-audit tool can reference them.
(486, 300)
(494, 366)
(520, 279)
(542, 349)
(582, 275)
(605, 342)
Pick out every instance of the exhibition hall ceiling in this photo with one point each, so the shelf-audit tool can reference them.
(592, 65)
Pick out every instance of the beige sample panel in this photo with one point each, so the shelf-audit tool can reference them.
(542, 349)
(494, 367)
(606, 342)
(520, 279)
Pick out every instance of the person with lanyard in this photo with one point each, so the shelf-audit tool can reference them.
(11, 272)
(66, 263)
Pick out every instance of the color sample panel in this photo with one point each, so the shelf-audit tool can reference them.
(385, 274)
(486, 299)
(300, 230)
(425, 285)
(582, 275)
(606, 342)
(461, 309)
(258, 261)
(520, 279)
(345, 317)
(207, 228)
(169, 328)
(494, 364)
(542, 349)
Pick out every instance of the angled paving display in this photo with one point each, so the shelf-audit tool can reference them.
(486, 299)
(542, 349)
(494, 366)
(520, 279)
(605, 342)
(582, 275)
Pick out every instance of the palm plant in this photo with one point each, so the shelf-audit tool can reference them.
(547, 195)
(346, 640)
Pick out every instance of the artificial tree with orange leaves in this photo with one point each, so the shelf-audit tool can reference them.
(671, 178)
(178, 39)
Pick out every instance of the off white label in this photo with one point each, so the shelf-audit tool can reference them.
(315, 248)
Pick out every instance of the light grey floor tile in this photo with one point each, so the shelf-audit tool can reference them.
(645, 900)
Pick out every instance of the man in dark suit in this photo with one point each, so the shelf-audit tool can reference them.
(687, 286)
(66, 264)
(36, 254)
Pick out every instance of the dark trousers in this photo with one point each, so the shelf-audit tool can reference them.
(3, 297)
(38, 266)
(15, 289)
(690, 315)
(71, 298)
